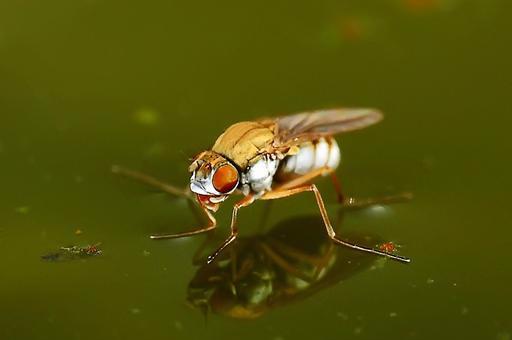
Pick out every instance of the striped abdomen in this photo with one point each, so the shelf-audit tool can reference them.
(312, 155)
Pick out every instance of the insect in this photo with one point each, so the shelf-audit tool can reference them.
(268, 159)
(388, 247)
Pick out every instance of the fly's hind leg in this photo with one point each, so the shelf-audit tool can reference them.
(361, 203)
(337, 187)
(345, 201)
(281, 193)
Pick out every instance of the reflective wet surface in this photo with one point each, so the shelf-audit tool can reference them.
(286, 264)
(88, 84)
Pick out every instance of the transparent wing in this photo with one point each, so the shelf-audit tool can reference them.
(310, 125)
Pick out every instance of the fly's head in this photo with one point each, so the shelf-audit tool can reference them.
(213, 179)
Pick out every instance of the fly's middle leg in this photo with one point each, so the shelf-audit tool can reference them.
(246, 201)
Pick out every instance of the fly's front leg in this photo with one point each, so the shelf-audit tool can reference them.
(172, 190)
(153, 182)
(247, 200)
(275, 194)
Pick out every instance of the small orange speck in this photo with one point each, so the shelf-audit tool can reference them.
(388, 247)
(78, 232)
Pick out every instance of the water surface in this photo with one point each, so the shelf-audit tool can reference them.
(87, 84)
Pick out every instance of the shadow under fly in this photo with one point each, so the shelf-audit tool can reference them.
(287, 264)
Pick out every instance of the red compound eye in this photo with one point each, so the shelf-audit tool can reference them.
(225, 178)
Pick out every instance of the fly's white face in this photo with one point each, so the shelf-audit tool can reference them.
(204, 186)
(213, 179)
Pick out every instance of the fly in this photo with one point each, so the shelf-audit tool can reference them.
(268, 159)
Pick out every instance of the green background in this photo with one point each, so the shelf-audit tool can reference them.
(86, 84)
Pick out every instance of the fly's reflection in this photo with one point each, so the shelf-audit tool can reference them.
(289, 263)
